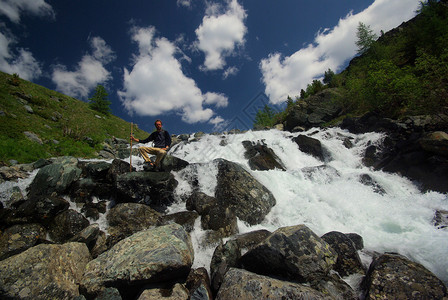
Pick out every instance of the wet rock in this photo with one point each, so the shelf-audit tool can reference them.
(261, 157)
(155, 255)
(435, 142)
(19, 238)
(310, 146)
(152, 188)
(56, 177)
(41, 209)
(220, 219)
(88, 236)
(392, 276)
(240, 191)
(250, 239)
(242, 284)
(179, 292)
(357, 240)
(184, 218)
(335, 287)
(172, 163)
(440, 219)
(369, 181)
(348, 261)
(44, 272)
(126, 219)
(66, 225)
(200, 202)
(11, 174)
(198, 285)
(224, 257)
(293, 252)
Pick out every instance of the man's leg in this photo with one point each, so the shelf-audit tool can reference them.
(160, 154)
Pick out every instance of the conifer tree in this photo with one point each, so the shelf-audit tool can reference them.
(99, 101)
(365, 36)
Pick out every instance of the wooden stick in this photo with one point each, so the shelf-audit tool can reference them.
(130, 157)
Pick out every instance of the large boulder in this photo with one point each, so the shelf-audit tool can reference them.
(125, 219)
(310, 146)
(198, 285)
(293, 252)
(172, 163)
(392, 276)
(19, 238)
(155, 255)
(242, 284)
(348, 261)
(239, 190)
(55, 178)
(39, 209)
(261, 157)
(44, 272)
(224, 257)
(66, 225)
(152, 188)
(314, 111)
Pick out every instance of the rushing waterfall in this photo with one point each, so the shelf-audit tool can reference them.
(391, 215)
(396, 218)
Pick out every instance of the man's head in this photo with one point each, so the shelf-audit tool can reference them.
(158, 125)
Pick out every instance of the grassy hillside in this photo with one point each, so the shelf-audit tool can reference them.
(66, 126)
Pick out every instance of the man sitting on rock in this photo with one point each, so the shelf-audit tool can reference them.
(162, 141)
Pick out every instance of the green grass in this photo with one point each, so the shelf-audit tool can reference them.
(65, 125)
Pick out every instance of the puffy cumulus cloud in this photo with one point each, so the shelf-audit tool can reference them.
(19, 61)
(157, 85)
(88, 73)
(285, 76)
(14, 8)
(220, 33)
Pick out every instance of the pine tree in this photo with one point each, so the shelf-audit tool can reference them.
(99, 101)
(365, 36)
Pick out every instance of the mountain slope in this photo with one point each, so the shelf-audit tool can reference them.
(59, 125)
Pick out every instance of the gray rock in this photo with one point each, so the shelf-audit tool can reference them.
(440, 219)
(184, 218)
(200, 202)
(198, 285)
(28, 109)
(44, 272)
(224, 257)
(179, 292)
(126, 219)
(435, 142)
(393, 276)
(241, 284)
(66, 225)
(152, 188)
(261, 157)
(19, 238)
(56, 177)
(33, 137)
(348, 261)
(240, 191)
(293, 252)
(155, 255)
(310, 146)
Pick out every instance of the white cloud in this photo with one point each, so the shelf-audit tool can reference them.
(88, 73)
(185, 3)
(220, 34)
(231, 71)
(285, 76)
(20, 61)
(157, 85)
(14, 8)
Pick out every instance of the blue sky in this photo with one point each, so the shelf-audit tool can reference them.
(198, 65)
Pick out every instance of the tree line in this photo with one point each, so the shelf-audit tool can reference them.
(403, 72)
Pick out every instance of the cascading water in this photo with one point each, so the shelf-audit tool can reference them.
(396, 218)
(392, 215)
